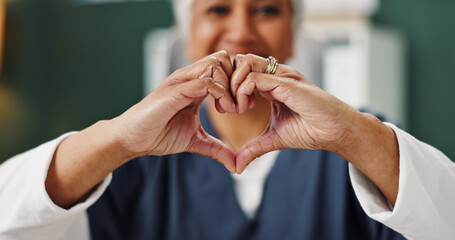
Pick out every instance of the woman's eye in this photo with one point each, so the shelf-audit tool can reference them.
(267, 10)
(219, 10)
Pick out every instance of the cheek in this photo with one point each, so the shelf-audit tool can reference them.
(203, 38)
(279, 40)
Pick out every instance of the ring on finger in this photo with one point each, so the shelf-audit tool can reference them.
(272, 65)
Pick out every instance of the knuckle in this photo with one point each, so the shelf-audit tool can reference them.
(239, 58)
(251, 77)
(222, 54)
(178, 72)
(288, 70)
(251, 151)
(214, 61)
(207, 80)
(236, 83)
(217, 149)
(251, 57)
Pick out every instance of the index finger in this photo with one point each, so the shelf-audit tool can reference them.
(244, 64)
(225, 61)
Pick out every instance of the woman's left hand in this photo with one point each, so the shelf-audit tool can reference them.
(303, 115)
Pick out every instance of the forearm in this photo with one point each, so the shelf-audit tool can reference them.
(164, 122)
(82, 161)
(372, 147)
(423, 209)
(26, 210)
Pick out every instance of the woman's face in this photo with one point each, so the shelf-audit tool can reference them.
(261, 27)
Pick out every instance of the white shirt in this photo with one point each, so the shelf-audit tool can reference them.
(423, 209)
(249, 186)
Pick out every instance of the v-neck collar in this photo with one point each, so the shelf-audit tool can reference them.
(209, 128)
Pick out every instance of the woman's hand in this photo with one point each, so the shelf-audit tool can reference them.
(167, 120)
(303, 116)
(164, 122)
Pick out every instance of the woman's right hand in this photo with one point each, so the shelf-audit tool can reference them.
(164, 122)
(167, 120)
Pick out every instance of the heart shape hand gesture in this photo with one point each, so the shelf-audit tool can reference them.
(167, 120)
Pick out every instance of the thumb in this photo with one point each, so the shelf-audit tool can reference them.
(209, 146)
(267, 142)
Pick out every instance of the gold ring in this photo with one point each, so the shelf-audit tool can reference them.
(272, 65)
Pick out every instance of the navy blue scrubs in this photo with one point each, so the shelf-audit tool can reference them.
(307, 195)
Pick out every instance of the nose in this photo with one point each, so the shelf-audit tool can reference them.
(240, 29)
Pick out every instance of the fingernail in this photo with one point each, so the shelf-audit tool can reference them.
(230, 169)
(241, 171)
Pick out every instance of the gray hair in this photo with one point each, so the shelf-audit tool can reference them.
(182, 13)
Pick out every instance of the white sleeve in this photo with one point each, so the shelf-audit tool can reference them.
(424, 206)
(27, 212)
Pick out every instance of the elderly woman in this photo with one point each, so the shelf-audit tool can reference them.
(255, 106)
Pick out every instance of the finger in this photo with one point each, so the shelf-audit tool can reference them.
(245, 94)
(259, 64)
(243, 99)
(257, 147)
(271, 85)
(219, 76)
(218, 107)
(225, 62)
(211, 147)
(216, 71)
(251, 101)
(223, 99)
(217, 65)
(200, 88)
(244, 64)
(240, 73)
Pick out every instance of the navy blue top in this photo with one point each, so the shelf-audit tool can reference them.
(307, 195)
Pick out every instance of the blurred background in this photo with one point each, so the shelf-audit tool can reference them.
(66, 64)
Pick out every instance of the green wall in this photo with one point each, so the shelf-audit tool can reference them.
(430, 33)
(67, 66)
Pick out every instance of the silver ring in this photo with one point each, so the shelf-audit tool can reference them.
(272, 65)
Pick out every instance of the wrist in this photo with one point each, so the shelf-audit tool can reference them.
(372, 147)
(111, 142)
(351, 133)
(82, 161)
(362, 133)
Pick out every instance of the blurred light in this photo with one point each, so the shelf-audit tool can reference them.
(340, 7)
(2, 30)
